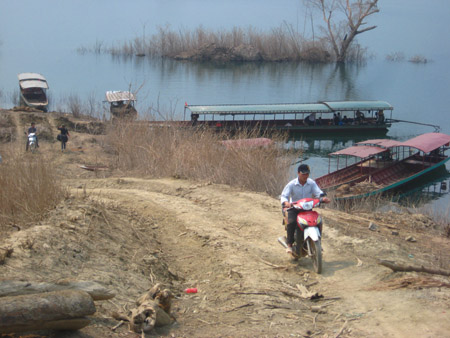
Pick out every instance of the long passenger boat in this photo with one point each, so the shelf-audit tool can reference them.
(328, 117)
(380, 165)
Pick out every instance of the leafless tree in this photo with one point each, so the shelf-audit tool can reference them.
(350, 16)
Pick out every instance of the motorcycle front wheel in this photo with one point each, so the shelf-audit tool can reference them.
(316, 254)
(33, 147)
(298, 243)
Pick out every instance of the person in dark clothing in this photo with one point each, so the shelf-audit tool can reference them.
(63, 137)
(194, 119)
(380, 117)
(310, 120)
(359, 117)
(32, 129)
(335, 119)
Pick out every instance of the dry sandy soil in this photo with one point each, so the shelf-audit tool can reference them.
(128, 233)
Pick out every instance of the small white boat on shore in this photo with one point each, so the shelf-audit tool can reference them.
(122, 104)
(33, 91)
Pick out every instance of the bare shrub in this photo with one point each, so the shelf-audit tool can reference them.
(14, 97)
(418, 59)
(98, 47)
(356, 53)
(315, 51)
(74, 105)
(396, 56)
(29, 188)
(162, 151)
(93, 108)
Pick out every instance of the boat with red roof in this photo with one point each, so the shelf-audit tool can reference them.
(381, 165)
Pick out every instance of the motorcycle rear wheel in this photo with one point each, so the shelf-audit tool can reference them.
(316, 254)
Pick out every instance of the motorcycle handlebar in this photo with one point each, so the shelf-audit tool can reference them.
(294, 205)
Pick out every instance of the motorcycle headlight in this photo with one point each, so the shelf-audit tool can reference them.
(302, 221)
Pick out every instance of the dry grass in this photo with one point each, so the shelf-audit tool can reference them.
(440, 217)
(29, 188)
(365, 204)
(87, 107)
(395, 56)
(162, 151)
(375, 202)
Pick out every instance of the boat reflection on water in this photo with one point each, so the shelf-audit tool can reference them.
(425, 191)
(322, 145)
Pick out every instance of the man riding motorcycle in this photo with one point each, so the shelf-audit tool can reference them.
(32, 129)
(298, 188)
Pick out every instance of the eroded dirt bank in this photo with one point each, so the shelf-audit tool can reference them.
(129, 233)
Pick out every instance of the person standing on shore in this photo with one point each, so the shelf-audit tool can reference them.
(63, 137)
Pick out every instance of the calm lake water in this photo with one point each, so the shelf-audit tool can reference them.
(47, 44)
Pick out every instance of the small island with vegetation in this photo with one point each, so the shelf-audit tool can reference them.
(343, 22)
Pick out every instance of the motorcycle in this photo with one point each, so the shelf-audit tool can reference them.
(32, 142)
(307, 238)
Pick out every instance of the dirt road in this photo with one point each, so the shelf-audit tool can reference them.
(223, 241)
(129, 233)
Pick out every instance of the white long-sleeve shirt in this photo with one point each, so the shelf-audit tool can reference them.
(294, 191)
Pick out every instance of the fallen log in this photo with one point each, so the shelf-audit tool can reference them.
(408, 268)
(64, 324)
(16, 288)
(59, 310)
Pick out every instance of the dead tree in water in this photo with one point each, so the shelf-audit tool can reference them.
(342, 34)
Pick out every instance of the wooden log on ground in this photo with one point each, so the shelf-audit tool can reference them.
(403, 268)
(62, 310)
(16, 288)
(64, 324)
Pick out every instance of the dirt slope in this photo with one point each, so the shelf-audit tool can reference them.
(129, 233)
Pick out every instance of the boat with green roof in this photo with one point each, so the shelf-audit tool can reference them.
(327, 117)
